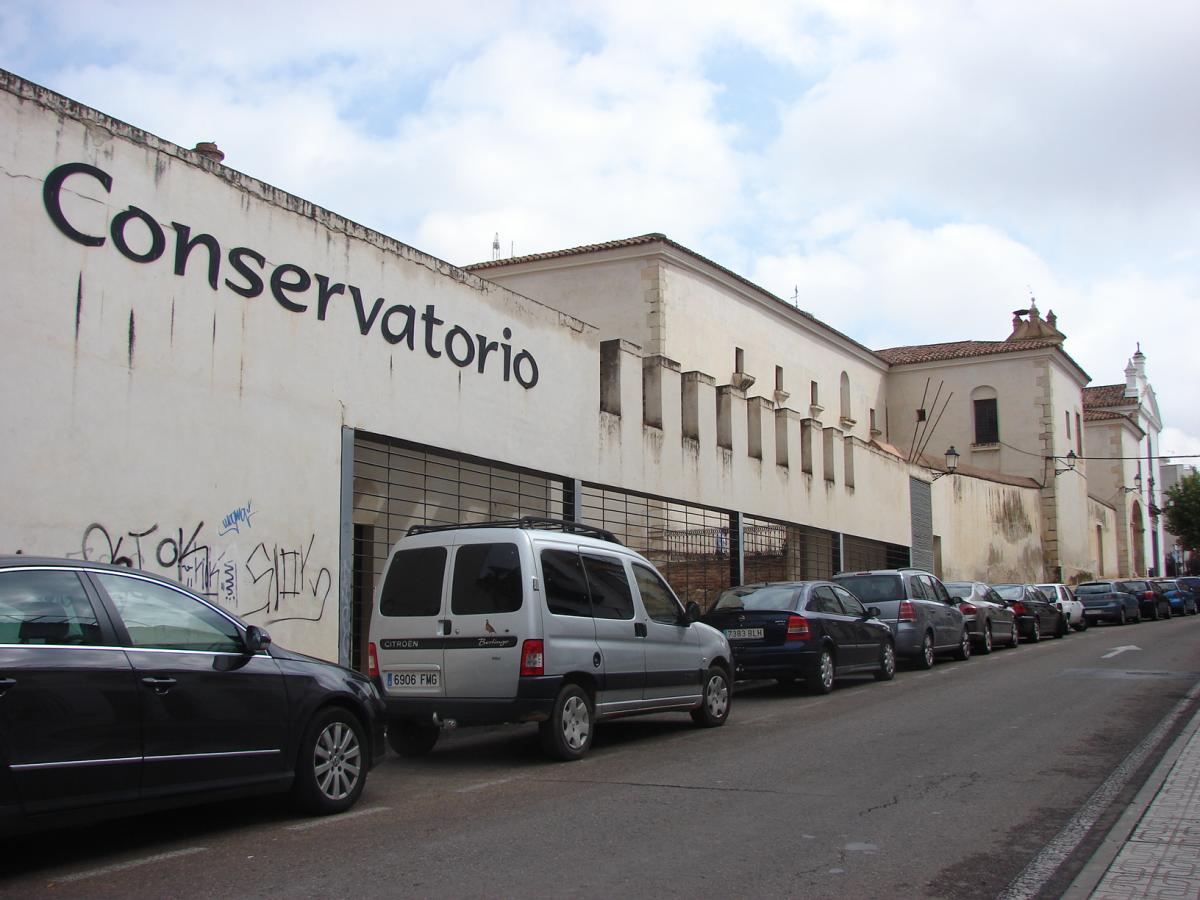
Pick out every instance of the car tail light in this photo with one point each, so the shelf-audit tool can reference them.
(908, 612)
(1018, 609)
(372, 661)
(533, 658)
(797, 629)
(967, 608)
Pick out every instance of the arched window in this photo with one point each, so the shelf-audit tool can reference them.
(845, 409)
(987, 416)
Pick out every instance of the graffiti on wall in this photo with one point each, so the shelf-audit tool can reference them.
(276, 580)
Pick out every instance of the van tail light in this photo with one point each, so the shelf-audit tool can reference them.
(533, 658)
(372, 661)
(1018, 609)
(908, 612)
(968, 608)
(797, 629)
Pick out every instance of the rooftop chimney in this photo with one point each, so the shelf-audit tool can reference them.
(209, 149)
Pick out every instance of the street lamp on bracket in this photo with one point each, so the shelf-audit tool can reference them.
(951, 463)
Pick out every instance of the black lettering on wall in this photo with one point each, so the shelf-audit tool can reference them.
(51, 197)
(185, 243)
(406, 334)
(485, 347)
(469, 356)
(532, 378)
(254, 284)
(280, 285)
(365, 321)
(158, 240)
(325, 293)
(430, 321)
(507, 350)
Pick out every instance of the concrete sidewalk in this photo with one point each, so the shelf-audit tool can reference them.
(1154, 849)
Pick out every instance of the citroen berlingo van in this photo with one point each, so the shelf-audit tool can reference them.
(535, 620)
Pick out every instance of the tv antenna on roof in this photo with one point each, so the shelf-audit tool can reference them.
(496, 246)
(796, 296)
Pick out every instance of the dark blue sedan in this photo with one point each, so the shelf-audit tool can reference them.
(803, 631)
(1181, 597)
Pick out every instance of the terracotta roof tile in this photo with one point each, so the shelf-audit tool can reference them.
(1102, 395)
(922, 353)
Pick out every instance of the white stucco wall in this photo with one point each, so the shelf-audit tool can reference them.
(197, 432)
(989, 531)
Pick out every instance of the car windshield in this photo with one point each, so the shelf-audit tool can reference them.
(1010, 591)
(1095, 587)
(959, 588)
(771, 596)
(1048, 589)
(873, 588)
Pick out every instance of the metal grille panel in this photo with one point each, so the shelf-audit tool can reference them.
(779, 551)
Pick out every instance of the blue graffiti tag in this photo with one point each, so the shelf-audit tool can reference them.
(236, 519)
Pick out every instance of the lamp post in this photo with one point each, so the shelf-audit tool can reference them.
(951, 463)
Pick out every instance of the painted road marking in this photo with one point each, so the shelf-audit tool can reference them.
(1117, 651)
(333, 820)
(483, 785)
(132, 864)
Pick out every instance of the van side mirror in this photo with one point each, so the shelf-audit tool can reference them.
(255, 639)
(691, 611)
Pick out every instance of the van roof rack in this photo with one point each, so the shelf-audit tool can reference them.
(537, 522)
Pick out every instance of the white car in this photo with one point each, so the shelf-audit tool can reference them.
(1064, 598)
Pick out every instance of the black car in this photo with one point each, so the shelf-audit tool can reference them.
(1151, 597)
(1036, 615)
(121, 692)
(802, 630)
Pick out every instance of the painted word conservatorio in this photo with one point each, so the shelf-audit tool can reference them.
(288, 283)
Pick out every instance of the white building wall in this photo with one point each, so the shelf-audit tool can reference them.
(989, 531)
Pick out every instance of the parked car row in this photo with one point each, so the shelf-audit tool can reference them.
(121, 691)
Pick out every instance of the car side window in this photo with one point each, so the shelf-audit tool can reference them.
(413, 586)
(611, 596)
(566, 584)
(918, 588)
(46, 607)
(660, 603)
(487, 580)
(937, 590)
(851, 604)
(159, 617)
(822, 600)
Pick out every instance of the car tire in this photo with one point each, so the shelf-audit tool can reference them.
(1035, 632)
(1014, 635)
(887, 662)
(331, 770)
(567, 734)
(1121, 619)
(820, 680)
(964, 647)
(926, 658)
(412, 737)
(714, 705)
(1083, 624)
(986, 646)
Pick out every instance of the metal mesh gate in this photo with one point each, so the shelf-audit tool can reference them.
(397, 484)
(860, 554)
(779, 551)
(688, 544)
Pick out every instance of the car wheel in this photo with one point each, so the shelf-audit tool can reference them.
(1061, 629)
(1083, 623)
(1154, 613)
(986, 647)
(412, 737)
(926, 659)
(714, 708)
(821, 679)
(567, 734)
(964, 647)
(887, 662)
(1121, 620)
(332, 767)
(1035, 633)
(1014, 636)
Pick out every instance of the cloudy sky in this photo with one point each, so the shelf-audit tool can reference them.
(914, 171)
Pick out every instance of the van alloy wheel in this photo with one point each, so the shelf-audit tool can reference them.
(927, 657)
(567, 734)
(714, 704)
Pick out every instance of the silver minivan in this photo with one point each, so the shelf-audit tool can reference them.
(535, 620)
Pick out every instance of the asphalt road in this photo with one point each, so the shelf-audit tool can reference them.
(939, 784)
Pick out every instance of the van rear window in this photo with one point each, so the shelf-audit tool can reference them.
(413, 586)
(487, 580)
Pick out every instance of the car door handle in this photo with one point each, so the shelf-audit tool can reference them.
(161, 684)
(639, 629)
(5, 684)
